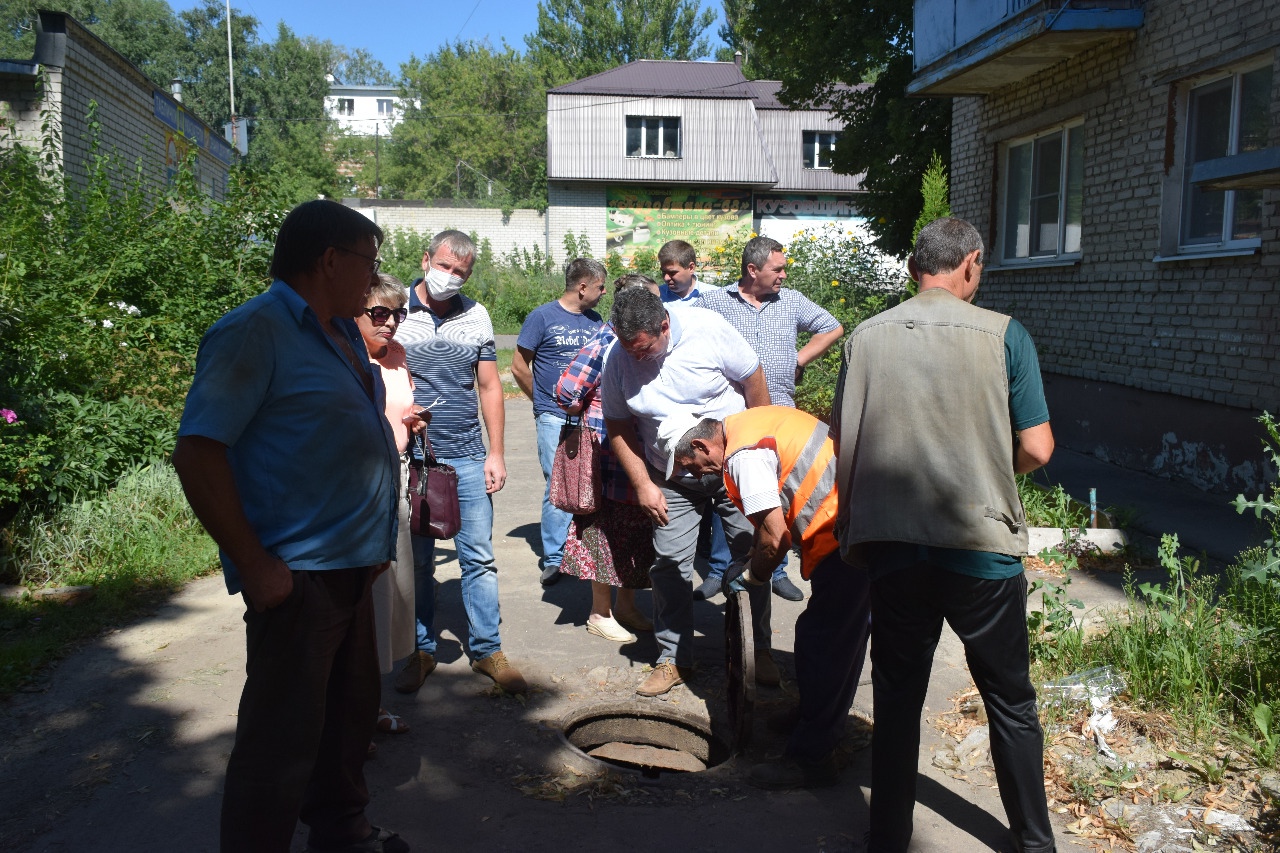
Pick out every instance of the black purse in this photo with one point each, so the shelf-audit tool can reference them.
(433, 496)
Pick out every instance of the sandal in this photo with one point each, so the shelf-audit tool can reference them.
(389, 723)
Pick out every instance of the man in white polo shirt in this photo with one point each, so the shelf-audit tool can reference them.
(682, 359)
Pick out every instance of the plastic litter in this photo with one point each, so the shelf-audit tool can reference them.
(1095, 686)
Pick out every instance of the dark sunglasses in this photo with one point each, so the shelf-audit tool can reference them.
(380, 314)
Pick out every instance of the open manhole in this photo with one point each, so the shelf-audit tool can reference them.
(653, 739)
(644, 738)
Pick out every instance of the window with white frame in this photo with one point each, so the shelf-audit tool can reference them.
(653, 136)
(385, 106)
(1043, 195)
(1225, 117)
(346, 106)
(819, 145)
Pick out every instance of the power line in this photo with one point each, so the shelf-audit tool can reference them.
(468, 20)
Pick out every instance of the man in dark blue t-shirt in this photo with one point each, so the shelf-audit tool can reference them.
(551, 336)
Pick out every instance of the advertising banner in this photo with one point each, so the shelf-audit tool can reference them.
(643, 218)
(783, 216)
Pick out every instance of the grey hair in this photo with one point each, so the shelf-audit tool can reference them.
(459, 245)
(758, 250)
(390, 291)
(943, 244)
(632, 279)
(583, 271)
(636, 310)
(707, 429)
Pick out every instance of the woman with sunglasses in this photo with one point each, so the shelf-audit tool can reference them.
(393, 589)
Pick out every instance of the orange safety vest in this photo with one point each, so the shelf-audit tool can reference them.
(806, 473)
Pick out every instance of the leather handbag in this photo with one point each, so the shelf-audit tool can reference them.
(575, 471)
(433, 496)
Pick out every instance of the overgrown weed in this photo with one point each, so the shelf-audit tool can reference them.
(132, 544)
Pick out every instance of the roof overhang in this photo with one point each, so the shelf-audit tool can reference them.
(17, 69)
(1022, 46)
(1253, 170)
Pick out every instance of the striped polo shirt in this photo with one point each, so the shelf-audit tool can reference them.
(442, 353)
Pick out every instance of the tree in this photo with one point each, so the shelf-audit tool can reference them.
(935, 192)
(291, 132)
(359, 67)
(471, 114)
(736, 33)
(857, 58)
(203, 63)
(578, 38)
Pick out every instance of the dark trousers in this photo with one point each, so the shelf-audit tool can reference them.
(306, 717)
(990, 618)
(831, 643)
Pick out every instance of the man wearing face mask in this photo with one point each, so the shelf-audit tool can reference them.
(448, 343)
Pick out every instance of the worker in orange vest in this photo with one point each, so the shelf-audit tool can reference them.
(779, 468)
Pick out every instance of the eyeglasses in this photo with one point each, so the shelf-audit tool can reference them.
(377, 262)
(380, 314)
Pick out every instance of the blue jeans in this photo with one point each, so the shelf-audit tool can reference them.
(475, 556)
(718, 561)
(555, 522)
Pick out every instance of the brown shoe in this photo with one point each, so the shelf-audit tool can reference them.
(766, 670)
(506, 676)
(416, 669)
(664, 676)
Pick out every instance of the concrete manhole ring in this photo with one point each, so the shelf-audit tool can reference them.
(645, 739)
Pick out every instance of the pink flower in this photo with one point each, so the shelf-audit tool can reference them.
(9, 415)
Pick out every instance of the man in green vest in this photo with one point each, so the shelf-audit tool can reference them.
(939, 405)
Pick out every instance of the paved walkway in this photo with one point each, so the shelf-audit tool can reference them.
(126, 749)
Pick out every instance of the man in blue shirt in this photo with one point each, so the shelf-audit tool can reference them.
(288, 461)
(551, 336)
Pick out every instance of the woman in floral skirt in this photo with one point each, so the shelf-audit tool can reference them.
(613, 547)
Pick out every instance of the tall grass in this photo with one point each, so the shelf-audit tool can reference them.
(1199, 647)
(132, 544)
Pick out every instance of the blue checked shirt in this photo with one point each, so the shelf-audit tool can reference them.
(771, 331)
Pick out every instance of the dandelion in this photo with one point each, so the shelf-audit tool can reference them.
(719, 250)
(835, 282)
(812, 239)
(9, 415)
(841, 300)
(754, 235)
(791, 261)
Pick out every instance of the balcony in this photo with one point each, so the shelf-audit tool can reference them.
(974, 47)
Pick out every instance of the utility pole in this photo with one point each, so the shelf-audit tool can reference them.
(231, 79)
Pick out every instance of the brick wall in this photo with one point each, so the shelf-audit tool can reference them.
(576, 209)
(523, 229)
(84, 70)
(1206, 332)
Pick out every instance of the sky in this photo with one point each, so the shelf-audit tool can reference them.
(392, 30)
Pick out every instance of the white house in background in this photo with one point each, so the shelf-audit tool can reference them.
(363, 110)
(656, 150)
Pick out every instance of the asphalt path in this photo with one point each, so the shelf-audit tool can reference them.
(125, 748)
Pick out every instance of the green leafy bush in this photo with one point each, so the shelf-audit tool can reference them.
(838, 270)
(106, 287)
